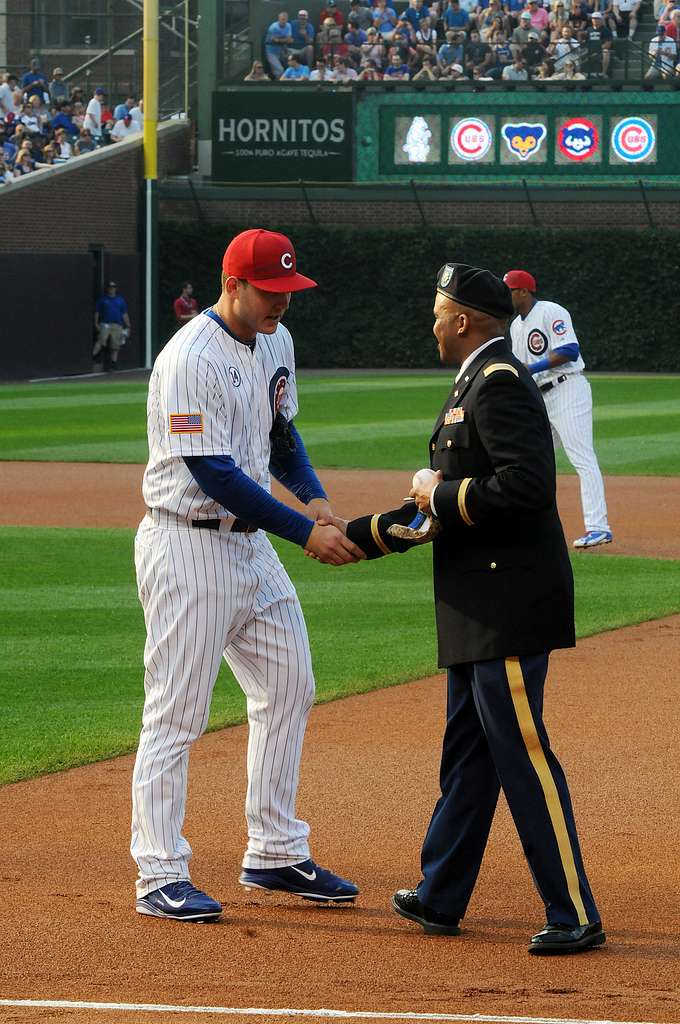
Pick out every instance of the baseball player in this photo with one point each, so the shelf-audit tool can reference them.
(222, 397)
(543, 338)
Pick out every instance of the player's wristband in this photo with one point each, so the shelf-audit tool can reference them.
(542, 364)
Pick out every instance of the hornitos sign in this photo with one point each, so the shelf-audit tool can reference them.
(282, 135)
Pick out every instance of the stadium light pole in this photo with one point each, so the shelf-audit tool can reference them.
(150, 173)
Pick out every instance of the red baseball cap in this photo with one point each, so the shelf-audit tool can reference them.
(520, 279)
(266, 260)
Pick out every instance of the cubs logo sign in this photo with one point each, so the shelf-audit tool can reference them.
(578, 138)
(633, 139)
(471, 139)
(524, 140)
(559, 327)
(537, 342)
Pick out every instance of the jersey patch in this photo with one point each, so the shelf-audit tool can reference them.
(559, 327)
(537, 341)
(234, 377)
(186, 423)
(277, 389)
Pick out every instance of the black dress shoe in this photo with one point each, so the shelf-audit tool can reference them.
(563, 938)
(406, 903)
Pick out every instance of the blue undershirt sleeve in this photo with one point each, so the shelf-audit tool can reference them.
(570, 351)
(294, 470)
(225, 483)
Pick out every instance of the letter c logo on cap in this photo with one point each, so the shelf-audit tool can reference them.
(287, 261)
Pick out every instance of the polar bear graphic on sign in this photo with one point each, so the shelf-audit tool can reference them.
(417, 144)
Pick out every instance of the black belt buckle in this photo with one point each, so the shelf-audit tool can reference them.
(242, 526)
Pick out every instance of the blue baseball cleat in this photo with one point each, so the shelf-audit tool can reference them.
(181, 901)
(592, 538)
(306, 879)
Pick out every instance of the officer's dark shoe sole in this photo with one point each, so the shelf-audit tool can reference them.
(558, 940)
(429, 927)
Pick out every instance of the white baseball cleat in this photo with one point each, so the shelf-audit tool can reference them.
(592, 538)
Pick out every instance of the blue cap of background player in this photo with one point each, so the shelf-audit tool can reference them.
(476, 288)
(99, 91)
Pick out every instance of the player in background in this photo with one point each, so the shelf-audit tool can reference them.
(222, 398)
(543, 338)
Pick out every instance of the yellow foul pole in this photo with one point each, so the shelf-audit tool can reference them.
(150, 171)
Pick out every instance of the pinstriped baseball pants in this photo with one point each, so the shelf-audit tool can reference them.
(207, 595)
(570, 410)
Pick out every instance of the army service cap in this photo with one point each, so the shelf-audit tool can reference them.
(476, 288)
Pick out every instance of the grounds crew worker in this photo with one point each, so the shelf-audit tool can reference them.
(112, 323)
(504, 600)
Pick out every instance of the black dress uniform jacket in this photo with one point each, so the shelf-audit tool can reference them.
(502, 576)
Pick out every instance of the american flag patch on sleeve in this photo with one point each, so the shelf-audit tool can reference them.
(186, 423)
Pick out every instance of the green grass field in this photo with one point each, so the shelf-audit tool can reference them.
(354, 422)
(71, 677)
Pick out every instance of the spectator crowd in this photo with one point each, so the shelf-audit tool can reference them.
(44, 122)
(510, 40)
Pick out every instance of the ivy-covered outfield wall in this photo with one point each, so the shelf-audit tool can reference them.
(373, 306)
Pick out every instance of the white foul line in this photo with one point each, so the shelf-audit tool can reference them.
(254, 1011)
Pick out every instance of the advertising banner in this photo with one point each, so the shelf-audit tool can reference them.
(279, 134)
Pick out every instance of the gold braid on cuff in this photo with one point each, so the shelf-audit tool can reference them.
(375, 533)
(462, 507)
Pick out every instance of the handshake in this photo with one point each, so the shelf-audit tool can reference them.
(337, 541)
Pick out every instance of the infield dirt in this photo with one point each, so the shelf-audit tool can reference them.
(643, 511)
(368, 784)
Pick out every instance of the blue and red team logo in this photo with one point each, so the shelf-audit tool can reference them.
(471, 139)
(523, 139)
(578, 138)
(633, 139)
(559, 327)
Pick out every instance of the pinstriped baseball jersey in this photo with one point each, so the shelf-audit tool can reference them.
(212, 594)
(569, 404)
(546, 327)
(210, 394)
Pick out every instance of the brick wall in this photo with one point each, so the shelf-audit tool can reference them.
(51, 219)
(93, 200)
(405, 212)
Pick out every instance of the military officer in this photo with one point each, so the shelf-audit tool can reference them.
(504, 600)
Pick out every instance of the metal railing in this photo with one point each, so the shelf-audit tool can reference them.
(109, 57)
